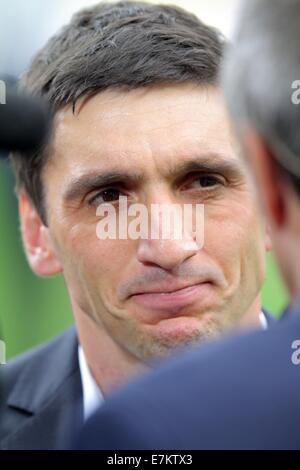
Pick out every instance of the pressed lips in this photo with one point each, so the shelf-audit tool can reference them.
(171, 300)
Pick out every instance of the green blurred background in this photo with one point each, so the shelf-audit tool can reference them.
(34, 309)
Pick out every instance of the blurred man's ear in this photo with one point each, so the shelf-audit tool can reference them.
(268, 239)
(36, 239)
(267, 177)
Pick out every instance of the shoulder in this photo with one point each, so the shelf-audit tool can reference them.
(35, 359)
(213, 389)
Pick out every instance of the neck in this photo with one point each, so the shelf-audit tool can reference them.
(291, 267)
(286, 241)
(251, 319)
(109, 363)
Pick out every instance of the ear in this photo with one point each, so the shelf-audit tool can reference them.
(268, 239)
(36, 239)
(268, 178)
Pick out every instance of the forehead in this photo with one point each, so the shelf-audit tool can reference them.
(151, 126)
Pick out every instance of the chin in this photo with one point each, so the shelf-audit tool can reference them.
(173, 333)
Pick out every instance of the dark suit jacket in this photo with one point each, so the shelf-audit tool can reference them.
(41, 396)
(239, 393)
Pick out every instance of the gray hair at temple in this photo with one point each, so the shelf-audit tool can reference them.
(260, 71)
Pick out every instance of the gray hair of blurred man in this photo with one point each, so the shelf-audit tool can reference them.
(260, 74)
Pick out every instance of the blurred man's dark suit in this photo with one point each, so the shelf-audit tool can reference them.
(239, 393)
(41, 399)
(41, 403)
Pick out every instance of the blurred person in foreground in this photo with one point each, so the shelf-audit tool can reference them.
(243, 392)
(138, 114)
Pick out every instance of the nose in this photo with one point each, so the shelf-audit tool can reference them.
(167, 252)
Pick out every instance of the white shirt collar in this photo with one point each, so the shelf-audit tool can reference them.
(92, 395)
(263, 320)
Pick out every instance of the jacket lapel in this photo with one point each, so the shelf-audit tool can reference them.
(47, 398)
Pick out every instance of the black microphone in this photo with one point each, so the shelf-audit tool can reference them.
(24, 122)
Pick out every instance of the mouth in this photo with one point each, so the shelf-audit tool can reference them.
(171, 302)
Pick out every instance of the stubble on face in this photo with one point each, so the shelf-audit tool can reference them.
(144, 132)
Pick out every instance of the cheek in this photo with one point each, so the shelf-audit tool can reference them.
(101, 264)
(234, 235)
(106, 261)
(85, 258)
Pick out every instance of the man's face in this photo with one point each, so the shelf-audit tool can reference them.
(164, 145)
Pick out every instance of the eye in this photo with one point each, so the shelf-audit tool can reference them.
(107, 195)
(207, 181)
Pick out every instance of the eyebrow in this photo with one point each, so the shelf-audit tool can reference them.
(91, 181)
(210, 163)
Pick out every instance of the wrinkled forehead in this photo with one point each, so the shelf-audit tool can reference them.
(142, 128)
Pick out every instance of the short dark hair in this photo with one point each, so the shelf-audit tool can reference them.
(124, 44)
